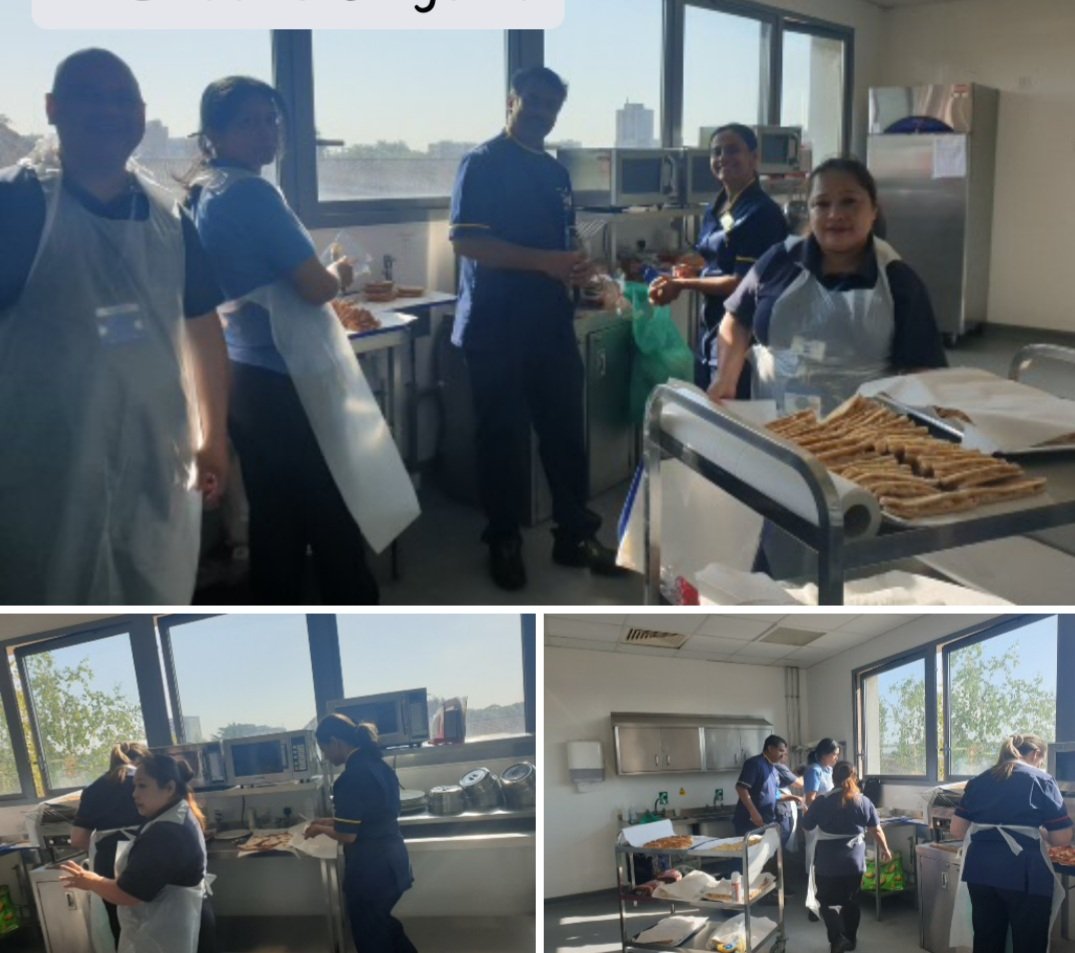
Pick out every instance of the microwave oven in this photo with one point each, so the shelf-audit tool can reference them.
(206, 761)
(779, 148)
(269, 759)
(618, 178)
(696, 177)
(402, 717)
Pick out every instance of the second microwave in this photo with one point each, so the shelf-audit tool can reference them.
(619, 178)
(402, 718)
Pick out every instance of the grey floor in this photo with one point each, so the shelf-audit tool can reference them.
(441, 560)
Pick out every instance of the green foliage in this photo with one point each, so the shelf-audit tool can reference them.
(988, 702)
(77, 723)
(9, 775)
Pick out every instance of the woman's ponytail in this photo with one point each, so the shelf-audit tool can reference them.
(1015, 749)
(846, 778)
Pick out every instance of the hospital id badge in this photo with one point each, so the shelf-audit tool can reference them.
(809, 348)
(121, 324)
(727, 221)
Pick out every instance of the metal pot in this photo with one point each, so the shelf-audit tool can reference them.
(519, 784)
(412, 802)
(446, 799)
(482, 789)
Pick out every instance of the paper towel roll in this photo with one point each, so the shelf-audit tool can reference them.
(861, 511)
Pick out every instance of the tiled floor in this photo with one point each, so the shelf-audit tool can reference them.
(442, 561)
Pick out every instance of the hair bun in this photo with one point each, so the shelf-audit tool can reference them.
(184, 770)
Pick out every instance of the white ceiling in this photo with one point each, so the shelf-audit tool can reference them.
(17, 625)
(724, 638)
(889, 4)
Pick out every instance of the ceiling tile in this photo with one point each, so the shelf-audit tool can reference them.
(584, 644)
(762, 650)
(680, 623)
(708, 644)
(754, 616)
(816, 622)
(647, 650)
(589, 617)
(874, 625)
(578, 628)
(725, 627)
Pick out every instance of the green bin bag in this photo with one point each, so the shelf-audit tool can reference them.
(891, 876)
(660, 351)
(9, 916)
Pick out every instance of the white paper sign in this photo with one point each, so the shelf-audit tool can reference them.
(949, 157)
(298, 14)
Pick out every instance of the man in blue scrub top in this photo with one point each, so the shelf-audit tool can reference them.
(511, 223)
(759, 787)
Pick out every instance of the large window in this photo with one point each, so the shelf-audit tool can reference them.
(239, 675)
(475, 657)
(82, 698)
(609, 53)
(9, 770)
(894, 721)
(944, 711)
(172, 69)
(813, 92)
(723, 69)
(998, 686)
(403, 108)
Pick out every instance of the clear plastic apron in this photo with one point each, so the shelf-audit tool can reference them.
(97, 498)
(823, 344)
(100, 930)
(811, 846)
(961, 933)
(343, 413)
(169, 923)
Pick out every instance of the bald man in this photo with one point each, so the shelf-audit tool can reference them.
(113, 371)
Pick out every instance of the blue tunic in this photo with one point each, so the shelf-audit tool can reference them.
(764, 781)
(1029, 798)
(520, 195)
(834, 858)
(253, 238)
(817, 778)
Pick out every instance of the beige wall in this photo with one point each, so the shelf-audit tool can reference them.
(1026, 51)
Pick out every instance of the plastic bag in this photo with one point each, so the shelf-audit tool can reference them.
(891, 876)
(345, 245)
(450, 722)
(660, 351)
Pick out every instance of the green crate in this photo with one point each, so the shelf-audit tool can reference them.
(9, 915)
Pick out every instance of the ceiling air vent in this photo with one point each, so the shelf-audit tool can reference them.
(782, 635)
(664, 640)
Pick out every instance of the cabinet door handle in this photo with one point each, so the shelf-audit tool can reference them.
(656, 760)
(602, 363)
(944, 879)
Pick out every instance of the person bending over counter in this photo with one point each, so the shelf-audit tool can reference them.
(159, 887)
(830, 311)
(737, 229)
(365, 802)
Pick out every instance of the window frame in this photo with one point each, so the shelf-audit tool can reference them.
(931, 652)
(142, 639)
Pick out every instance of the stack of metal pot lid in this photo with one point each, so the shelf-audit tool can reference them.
(412, 802)
(519, 784)
(482, 789)
(446, 799)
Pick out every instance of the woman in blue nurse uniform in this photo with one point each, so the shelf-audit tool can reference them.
(817, 780)
(365, 802)
(318, 464)
(737, 229)
(830, 311)
(1008, 816)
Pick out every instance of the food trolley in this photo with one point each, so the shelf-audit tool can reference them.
(730, 437)
(775, 941)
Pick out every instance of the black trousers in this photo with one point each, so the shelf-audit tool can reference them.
(994, 912)
(373, 927)
(542, 387)
(842, 892)
(294, 502)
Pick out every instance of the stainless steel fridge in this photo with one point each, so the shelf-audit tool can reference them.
(938, 878)
(932, 151)
(64, 914)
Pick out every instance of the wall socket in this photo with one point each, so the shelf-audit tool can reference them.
(718, 795)
(662, 797)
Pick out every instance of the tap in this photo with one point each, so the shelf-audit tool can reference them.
(388, 262)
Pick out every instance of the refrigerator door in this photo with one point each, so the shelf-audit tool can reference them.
(951, 105)
(923, 201)
(64, 914)
(938, 877)
(609, 433)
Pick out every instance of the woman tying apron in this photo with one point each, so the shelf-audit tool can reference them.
(841, 819)
(1008, 816)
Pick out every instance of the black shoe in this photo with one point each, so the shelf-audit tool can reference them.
(851, 944)
(812, 917)
(842, 945)
(506, 563)
(600, 559)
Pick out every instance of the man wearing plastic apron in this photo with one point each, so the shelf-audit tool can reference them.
(99, 368)
(962, 933)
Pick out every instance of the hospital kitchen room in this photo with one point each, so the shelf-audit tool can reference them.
(877, 412)
(697, 766)
(209, 769)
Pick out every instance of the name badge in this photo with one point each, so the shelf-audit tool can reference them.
(810, 348)
(121, 324)
(727, 221)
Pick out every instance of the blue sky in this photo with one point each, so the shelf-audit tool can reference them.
(419, 86)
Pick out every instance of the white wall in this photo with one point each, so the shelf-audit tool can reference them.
(582, 688)
(828, 685)
(1025, 50)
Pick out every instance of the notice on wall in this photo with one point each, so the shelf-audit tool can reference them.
(298, 14)
(949, 157)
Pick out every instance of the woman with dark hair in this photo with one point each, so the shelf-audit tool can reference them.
(365, 801)
(1007, 818)
(842, 818)
(737, 229)
(817, 776)
(106, 815)
(830, 311)
(312, 445)
(160, 884)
